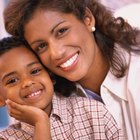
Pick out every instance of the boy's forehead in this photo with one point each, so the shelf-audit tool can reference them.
(16, 56)
(16, 52)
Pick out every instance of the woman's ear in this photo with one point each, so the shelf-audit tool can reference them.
(89, 19)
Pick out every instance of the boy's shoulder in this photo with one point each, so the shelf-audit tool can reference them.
(84, 100)
(86, 104)
(84, 115)
(80, 104)
(14, 131)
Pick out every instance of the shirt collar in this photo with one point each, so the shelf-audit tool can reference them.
(81, 91)
(60, 108)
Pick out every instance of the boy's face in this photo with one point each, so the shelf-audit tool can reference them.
(24, 80)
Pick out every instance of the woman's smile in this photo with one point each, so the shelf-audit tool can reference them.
(70, 63)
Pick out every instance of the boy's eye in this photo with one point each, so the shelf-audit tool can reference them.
(12, 81)
(41, 48)
(36, 71)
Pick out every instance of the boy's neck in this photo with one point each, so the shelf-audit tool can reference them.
(48, 109)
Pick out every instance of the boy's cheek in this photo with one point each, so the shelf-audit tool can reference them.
(3, 92)
(2, 96)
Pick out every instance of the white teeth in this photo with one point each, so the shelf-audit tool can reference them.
(69, 62)
(34, 94)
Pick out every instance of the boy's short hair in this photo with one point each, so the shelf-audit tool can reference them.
(62, 85)
(8, 43)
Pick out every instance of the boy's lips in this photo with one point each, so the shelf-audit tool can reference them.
(67, 64)
(33, 94)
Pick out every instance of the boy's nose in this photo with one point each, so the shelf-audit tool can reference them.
(27, 83)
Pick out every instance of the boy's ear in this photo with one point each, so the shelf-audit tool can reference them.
(2, 101)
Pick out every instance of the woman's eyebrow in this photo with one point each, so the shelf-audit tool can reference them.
(37, 41)
(52, 30)
(57, 25)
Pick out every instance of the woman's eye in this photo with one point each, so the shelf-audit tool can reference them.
(12, 81)
(61, 31)
(41, 47)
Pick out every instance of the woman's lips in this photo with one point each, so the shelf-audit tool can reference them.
(70, 62)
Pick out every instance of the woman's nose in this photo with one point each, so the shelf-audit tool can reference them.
(57, 51)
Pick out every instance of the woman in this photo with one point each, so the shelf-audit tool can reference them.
(81, 41)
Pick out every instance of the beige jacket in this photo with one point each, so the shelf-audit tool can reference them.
(122, 97)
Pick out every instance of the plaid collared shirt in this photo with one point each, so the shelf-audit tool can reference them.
(73, 118)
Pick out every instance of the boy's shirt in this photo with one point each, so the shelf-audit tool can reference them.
(73, 118)
(18, 131)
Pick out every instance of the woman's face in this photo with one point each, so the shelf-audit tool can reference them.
(64, 44)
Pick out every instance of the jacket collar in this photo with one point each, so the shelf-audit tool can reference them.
(117, 86)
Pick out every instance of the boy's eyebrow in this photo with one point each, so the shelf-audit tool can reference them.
(35, 62)
(8, 74)
(13, 72)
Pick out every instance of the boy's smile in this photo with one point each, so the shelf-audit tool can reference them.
(32, 93)
(24, 79)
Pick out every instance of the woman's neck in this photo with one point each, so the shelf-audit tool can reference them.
(96, 75)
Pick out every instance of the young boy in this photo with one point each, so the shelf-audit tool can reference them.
(27, 88)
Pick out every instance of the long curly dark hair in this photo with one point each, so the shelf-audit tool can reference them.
(110, 31)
